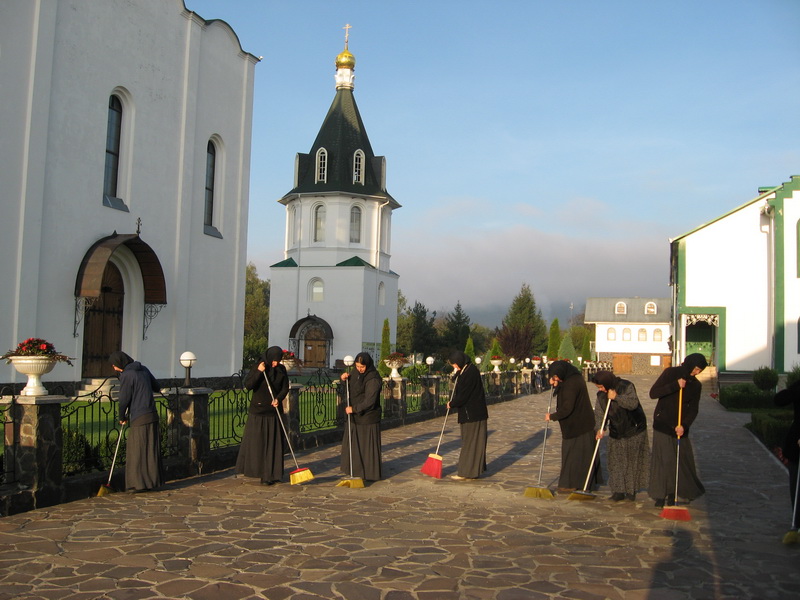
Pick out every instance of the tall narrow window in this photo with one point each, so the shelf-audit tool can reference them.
(611, 335)
(316, 290)
(650, 308)
(381, 294)
(355, 225)
(358, 167)
(293, 226)
(642, 334)
(319, 223)
(657, 335)
(113, 136)
(626, 335)
(211, 165)
(322, 166)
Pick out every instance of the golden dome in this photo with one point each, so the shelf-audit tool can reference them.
(345, 60)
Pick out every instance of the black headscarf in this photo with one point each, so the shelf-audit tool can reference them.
(273, 353)
(562, 369)
(119, 359)
(459, 358)
(694, 360)
(605, 378)
(365, 358)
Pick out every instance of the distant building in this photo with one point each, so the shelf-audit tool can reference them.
(631, 333)
(737, 284)
(125, 128)
(332, 292)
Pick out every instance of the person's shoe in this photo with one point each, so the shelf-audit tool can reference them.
(660, 503)
(617, 496)
(458, 477)
(631, 497)
(671, 500)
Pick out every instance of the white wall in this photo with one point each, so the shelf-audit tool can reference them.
(634, 346)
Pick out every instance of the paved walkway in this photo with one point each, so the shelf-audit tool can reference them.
(414, 537)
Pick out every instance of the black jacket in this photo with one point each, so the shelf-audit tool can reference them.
(365, 396)
(136, 389)
(573, 407)
(261, 402)
(468, 395)
(667, 390)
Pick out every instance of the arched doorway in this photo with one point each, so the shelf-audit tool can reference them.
(312, 337)
(102, 326)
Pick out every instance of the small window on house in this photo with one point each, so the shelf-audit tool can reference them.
(642, 334)
(355, 225)
(611, 336)
(322, 166)
(657, 335)
(626, 335)
(113, 140)
(319, 223)
(650, 308)
(381, 294)
(316, 291)
(621, 309)
(358, 167)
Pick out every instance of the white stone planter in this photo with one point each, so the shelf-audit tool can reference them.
(496, 362)
(394, 365)
(34, 367)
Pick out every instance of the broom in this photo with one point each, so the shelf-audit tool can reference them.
(539, 491)
(585, 494)
(433, 464)
(675, 512)
(106, 488)
(298, 475)
(791, 536)
(351, 482)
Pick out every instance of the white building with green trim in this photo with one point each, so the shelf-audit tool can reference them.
(736, 284)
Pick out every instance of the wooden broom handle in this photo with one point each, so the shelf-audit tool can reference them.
(680, 407)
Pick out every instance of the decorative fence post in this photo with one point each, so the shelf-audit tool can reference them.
(430, 393)
(193, 436)
(36, 451)
(291, 413)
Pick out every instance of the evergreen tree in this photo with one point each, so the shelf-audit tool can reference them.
(524, 325)
(567, 351)
(456, 330)
(405, 325)
(256, 316)
(586, 349)
(386, 349)
(469, 349)
(418, 333)
(554, 341)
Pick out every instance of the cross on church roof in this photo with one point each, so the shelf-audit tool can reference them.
(347, 29)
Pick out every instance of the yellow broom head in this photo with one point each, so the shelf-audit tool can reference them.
(104, 490)
(300, 476)
(354, 482)
(581, 495)
(538, 492)
(790, 538)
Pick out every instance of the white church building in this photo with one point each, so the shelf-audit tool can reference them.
(736, 284)
(125, 158)
(334, 289)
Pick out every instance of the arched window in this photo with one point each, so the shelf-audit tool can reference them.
(319, 223)
(322, 166)
(381, 294)
(211, 166)
(657, 335)
(626, 335)
(642, 334)
(621, 309)
(293, 226)
(611, 335)
(650, 308)
(355, 225)
(358, 167)
(316, 290)
(113, 137)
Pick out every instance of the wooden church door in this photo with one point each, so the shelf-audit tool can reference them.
(315, 348)
(102, 327)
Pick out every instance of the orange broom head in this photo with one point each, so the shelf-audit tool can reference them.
(676, 513)
(432, 466)
(300, 476)
(104, 490)
(539, 492)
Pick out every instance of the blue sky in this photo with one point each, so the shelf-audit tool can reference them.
(555, 143)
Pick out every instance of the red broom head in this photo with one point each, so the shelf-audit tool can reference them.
(432, 467)
(676, 513)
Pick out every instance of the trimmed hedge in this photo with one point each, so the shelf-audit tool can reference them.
(745, 396)
(770, 427)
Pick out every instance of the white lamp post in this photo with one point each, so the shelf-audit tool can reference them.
(187, 360)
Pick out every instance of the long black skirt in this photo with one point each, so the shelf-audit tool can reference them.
(576, 456)
(261, 452)
(472, 460)
(143, 464)
(662, 469)
(366, 451)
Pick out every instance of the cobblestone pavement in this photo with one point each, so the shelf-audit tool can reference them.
(415, 537)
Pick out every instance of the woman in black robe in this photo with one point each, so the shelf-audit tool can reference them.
(576, 418)
(364, 413)
(666, 431)
(791, 443)
(261, 452)
(470, 400)
(143, 464)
